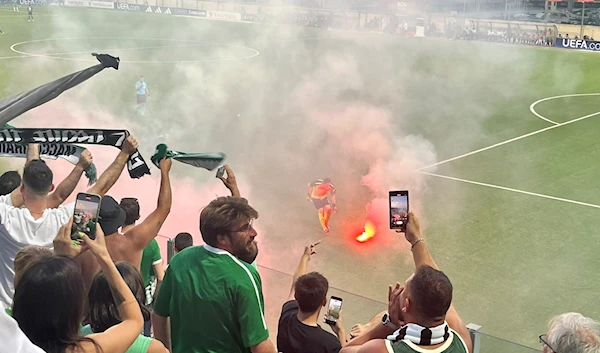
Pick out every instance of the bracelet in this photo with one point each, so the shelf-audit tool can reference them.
(416, 242)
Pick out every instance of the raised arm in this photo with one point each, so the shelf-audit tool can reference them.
(113, 172)
(230, 182)
(142, 234)
(33, 152)
(66, 187)
(121, 336)
(422, 257)
(301, 270)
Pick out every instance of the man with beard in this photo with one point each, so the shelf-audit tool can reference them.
(212, 294)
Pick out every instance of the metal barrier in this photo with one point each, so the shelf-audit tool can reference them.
(484, 343)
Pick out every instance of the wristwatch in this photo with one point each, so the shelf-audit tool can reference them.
(386, 321)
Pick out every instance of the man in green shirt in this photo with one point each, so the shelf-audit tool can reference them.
(211, 293)
(152, 271)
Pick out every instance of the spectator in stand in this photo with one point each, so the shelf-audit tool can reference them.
(421, 315)
(129, 246)
(298, 329)
(151, 265)
(103, 311)
(27, 256)
(216, 283)
(182, 241)
(50, 300)
(571, 333)
(153, 272)
(9, 181)
(38, 222)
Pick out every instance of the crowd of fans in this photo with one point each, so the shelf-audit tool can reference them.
(111, 294)
(512, 36)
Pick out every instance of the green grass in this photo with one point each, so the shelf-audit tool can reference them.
(515, 260)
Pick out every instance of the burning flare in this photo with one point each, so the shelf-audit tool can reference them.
(369, 232)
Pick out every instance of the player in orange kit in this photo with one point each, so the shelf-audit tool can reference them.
(317, 193)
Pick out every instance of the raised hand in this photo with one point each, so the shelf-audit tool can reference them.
(85, 159)
(310, 250)
(230, 182)
(130, 145)
(64, 245)
(165, 164)
(98, 245)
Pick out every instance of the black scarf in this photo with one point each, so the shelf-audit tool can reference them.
(136, 165)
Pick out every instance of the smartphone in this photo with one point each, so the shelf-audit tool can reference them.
(220, 172)
(333, 312)
(85, 216)
(398, 210)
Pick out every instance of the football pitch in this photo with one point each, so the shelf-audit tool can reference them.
(496, 143)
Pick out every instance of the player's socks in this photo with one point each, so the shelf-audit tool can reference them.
(322, 221)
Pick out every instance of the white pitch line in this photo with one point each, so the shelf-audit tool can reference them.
(532, 106)
(14, 57)
(122, 49)
(509, 141)
(512, 189)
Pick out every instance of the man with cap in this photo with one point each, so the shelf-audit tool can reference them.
(129, 246)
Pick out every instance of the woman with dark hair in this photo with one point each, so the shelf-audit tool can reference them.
(49, 303)
(104, 314)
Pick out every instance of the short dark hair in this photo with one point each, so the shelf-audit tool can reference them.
(132, 209)
(221, 215)
(327, 180)
(103, 311)
(431, 293)
(37, 176)
(9, 181)
(183, 240)
(310, 291)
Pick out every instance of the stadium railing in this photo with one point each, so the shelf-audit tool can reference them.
(485, 343)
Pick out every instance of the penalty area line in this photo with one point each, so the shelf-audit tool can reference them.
(512, 190)
(509, 141)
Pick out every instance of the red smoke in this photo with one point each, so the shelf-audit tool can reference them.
(189, 195)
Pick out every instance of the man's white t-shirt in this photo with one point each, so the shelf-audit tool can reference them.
(19, 229)
(12, 338)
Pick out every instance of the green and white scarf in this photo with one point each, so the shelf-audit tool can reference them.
(68, 152)
(208, 161)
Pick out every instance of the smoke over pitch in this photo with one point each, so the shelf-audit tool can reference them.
(366, 111)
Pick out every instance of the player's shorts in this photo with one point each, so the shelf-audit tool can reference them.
(141, 98)
(320, 203)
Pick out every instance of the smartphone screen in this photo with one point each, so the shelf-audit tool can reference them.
(85, 216)
(333, 312)
(398, 210)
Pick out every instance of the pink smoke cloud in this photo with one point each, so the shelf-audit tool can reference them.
(189, 195)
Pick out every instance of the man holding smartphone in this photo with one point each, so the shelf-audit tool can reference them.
(298, 329)
(317, 193)
(421, 316)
